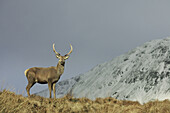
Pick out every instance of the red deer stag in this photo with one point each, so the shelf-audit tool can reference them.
(49, 75)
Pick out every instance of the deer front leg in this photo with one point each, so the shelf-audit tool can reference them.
(54, 90)
(49, 87)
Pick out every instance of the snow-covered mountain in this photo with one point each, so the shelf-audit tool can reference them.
(142, 74)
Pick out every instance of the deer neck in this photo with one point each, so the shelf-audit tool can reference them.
(60, 68)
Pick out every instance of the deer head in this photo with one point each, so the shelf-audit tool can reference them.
(62, 58)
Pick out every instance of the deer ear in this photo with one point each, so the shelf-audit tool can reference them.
(66, 57)
(57, 56)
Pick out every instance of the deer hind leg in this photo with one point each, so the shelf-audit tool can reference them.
(31, 82)
(54, 90)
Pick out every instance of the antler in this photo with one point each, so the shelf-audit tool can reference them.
(70, 50)
(55, 50)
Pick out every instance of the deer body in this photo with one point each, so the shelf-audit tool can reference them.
(49, 75)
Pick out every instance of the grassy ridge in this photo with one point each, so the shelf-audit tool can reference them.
(12, 103)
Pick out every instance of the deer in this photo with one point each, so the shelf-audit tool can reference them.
(47, 75)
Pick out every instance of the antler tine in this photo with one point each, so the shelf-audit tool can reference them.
(55, 50)
(70, 50)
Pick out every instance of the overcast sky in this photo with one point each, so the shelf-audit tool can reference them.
(99, 30)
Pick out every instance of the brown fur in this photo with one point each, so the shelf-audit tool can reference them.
(49, 75)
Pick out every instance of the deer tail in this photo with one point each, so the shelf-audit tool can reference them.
(26, 71)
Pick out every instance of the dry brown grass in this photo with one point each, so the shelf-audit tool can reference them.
(12, 103)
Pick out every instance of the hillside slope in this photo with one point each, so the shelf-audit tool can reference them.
(142, 74)
(12, 103)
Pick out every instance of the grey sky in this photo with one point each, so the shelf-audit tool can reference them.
(99, 30)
